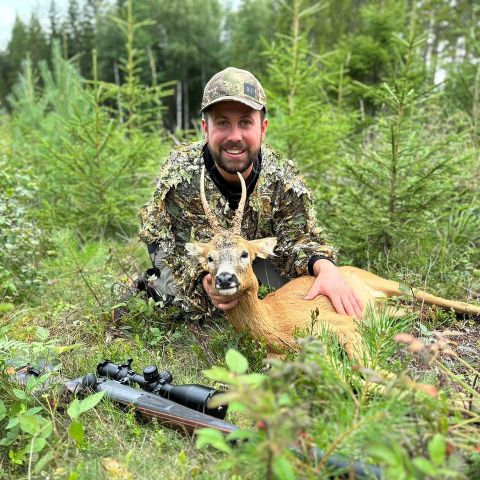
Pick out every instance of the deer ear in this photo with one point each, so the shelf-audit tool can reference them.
(264, 246)
(198, 250)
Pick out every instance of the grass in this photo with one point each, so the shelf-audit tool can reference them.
(317, 398)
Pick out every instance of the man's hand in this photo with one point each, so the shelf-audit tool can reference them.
(222, 303)
(330, 282)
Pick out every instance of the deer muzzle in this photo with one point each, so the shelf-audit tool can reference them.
(226, 283)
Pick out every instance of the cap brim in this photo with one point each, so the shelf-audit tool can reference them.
(250, 103)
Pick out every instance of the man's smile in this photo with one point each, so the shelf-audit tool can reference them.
(234, 153)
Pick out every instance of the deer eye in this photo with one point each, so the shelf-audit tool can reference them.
(244, 254)
(209, 259)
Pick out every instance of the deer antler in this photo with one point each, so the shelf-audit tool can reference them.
(237, 221)
(212, 219)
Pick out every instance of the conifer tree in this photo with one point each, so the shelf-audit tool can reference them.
(370, 51)
(17, 49)
(247, 29)
(95, 162)
(37, 41)
(307, 126)
(54, 22)
(405, 180)
(187, 47)
(87, 36)
(73, 28)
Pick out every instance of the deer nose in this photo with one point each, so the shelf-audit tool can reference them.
(226, 280)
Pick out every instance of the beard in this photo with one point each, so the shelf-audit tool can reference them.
(233, 166)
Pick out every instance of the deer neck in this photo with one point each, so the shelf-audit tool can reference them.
(256, 317)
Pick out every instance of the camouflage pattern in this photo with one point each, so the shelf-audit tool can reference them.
(280, 206)
(237, 85)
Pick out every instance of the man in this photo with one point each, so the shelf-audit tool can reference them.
(278, 204)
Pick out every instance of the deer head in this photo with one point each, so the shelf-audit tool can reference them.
(228, 257)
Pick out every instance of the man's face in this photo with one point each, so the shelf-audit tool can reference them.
(234, 134)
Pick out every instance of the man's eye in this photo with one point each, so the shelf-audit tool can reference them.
(244, 254)
(246, 123)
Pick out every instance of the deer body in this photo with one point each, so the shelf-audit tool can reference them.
(228, 258)
(281, 314)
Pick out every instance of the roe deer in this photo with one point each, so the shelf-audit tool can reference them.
(228, 258)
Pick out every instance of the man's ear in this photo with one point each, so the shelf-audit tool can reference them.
(205, 127)
(198, 250)
(264, 128)
(264, 246)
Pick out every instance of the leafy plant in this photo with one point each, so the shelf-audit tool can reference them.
(20, 237)
(94, 162)
(27, 424)
(76, 430)
(273, 410)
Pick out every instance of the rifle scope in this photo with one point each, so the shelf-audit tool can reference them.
(192, 396)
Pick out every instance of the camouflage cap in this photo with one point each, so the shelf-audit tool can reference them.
(235, 85)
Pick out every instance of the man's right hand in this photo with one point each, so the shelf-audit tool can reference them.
(222, 303)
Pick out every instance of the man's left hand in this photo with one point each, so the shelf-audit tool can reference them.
(331, 283)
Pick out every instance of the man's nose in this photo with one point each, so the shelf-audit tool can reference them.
(234, 134)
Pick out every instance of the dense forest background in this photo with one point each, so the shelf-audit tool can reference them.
(186, 44)
(376, 101)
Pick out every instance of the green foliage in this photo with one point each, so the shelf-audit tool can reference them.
(138, 105)
(93, 166)
(101, 174)
(248, 27)
(223, 339)
(77, 407)
(398, 190)
(186, 44)
(401, 190)
(76, 430)
(309, 399)
(399, 465)
(370, 53)
(79, 274)
(20, 237)
(277, 414)
(305, 125)
(27, 425)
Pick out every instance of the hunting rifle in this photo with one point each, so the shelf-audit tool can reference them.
(179, 406)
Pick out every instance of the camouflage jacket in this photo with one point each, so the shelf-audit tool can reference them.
(280, 206)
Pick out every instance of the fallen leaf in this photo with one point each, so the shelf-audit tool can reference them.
(116, 470)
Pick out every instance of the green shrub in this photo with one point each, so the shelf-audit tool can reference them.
(94, 148)
(20, 237)
(403, 196)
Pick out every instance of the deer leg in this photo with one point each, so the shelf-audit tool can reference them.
(389, 288)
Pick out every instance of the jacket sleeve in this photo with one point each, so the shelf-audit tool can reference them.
(295, 225)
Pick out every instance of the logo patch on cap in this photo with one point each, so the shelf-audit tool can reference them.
(249, 89)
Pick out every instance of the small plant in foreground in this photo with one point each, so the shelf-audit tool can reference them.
(278, 415)
(26, 419)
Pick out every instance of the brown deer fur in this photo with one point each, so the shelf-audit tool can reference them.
(277, 317)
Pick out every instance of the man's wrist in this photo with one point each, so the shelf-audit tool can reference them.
(322, 264)
(314, 259)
